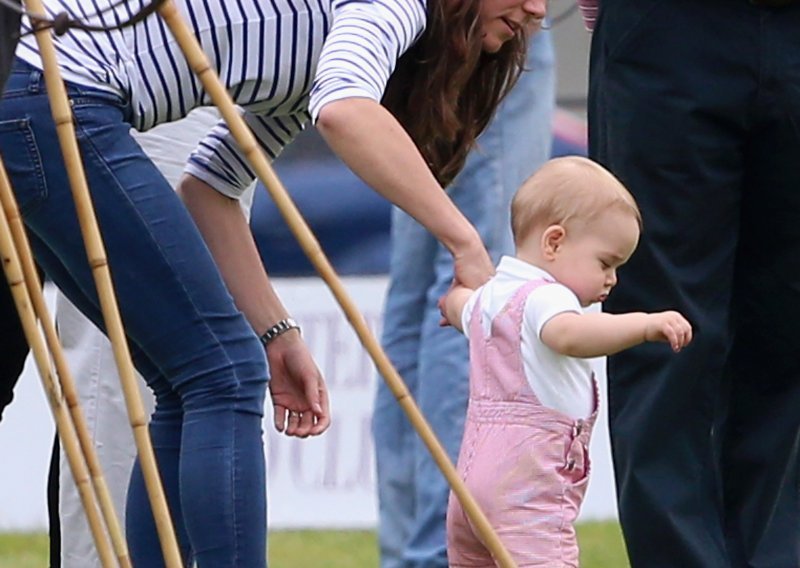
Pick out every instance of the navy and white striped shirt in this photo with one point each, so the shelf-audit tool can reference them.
(281, 60)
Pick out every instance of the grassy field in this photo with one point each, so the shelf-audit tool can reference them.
(601, 547)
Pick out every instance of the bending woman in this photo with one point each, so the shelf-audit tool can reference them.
(193, 325)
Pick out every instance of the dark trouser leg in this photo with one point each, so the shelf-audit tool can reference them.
(668, 116)
(15, 351)
(52, 506)
(15, 347)
(760, 444)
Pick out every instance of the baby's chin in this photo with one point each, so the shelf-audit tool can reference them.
(592, 302)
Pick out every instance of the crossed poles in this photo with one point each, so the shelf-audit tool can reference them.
(59, 386)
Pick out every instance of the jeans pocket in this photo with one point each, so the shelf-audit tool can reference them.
(22, 160)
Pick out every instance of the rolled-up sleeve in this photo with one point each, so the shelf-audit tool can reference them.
(219, 162)
(589, 10)
(365, 42)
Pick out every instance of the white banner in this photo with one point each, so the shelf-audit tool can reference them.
(327, 482)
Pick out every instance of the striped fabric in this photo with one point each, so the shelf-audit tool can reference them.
(282, 60)
(589, 12)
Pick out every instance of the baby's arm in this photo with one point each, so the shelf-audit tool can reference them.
(452, 305)
(596, 334)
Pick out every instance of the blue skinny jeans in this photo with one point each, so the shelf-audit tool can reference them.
(188, 340)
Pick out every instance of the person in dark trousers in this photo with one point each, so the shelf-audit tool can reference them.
(695, 106)
(15, 348)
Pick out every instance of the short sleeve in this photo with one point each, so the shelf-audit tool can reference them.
(361, 51)
(466, 313)
(548, 301)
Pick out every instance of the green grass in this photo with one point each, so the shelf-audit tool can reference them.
(601, 547)
(19, 550)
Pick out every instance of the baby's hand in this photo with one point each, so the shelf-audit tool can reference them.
(442, 313)
(452, 304)
(670, 327)
(442, 305)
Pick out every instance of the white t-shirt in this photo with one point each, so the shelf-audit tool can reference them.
(559, 382)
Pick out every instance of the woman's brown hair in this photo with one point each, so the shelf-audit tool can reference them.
(445, 88)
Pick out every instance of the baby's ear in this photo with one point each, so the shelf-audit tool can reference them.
(552, 238)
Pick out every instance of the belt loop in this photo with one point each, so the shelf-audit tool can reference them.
(35, 84)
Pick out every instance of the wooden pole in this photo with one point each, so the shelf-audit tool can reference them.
(64, 426)
(63, 374)
(244, 137)
(62, 117)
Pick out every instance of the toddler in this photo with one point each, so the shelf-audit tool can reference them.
(533, 397)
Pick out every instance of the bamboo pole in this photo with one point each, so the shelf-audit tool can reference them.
(19, 289)
(63, 374)
(62, 116)
(244, 137)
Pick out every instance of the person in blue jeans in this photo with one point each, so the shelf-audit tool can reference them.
(399, 89)
(433, 360)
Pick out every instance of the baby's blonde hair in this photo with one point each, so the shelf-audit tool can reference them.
(564, 190)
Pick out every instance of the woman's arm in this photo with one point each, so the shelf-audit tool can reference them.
(596, 334)
(228, 236)
(374, 145)
(296, 384)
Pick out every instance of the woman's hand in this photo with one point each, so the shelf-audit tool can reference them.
(472, 267)
(451, 305)
(299, 394)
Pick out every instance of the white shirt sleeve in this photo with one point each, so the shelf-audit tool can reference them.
(466, 313)
(219, 162)
(548, 301)
(361, 51)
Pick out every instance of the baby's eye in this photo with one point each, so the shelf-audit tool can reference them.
(605, 264)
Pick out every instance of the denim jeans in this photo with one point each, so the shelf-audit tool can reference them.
(196, 351)
(432, 360)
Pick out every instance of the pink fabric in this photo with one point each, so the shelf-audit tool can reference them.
(589, 12)
(526, 465)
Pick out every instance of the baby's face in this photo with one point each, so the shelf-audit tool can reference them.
(588, 257)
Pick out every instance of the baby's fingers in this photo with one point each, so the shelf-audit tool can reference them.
(678, 334)
(687, 334)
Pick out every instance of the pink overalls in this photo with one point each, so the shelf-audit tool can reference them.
(527, 465)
